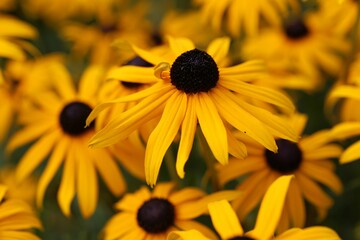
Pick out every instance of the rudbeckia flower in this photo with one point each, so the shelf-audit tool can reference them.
(304, 44)
(242, 15)
(192, 89)
(228, 225)
(309, 160)
(11, 32)
(16, 219)
(56, 123)
(148, 215)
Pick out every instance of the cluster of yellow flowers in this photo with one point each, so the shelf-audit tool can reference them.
(246, 104)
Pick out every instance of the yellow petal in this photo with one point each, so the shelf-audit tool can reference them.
(219, 48)
(237, 168)
(163, 135)
(26, 135)
(225, 220)
(12, 27)
(280, 127)
(62, 80)
(66, 190)
(180, 45)
(36, 154)
(296, 205)
(345, 130)
(11, 50)
(260, 93)
(318, 233)
(133, 74)
(247, 124)
(212, 127)
(188, 129)
(163, 190)
(196, 208)
(129, 121)
(90, 81)
(186, 194)
(271, 208)
(87, 184)
(108, 170)
(186, 235)
(322, 175)
(154, 90)
(148, 56)
(194, 225)
(351, 153)
(313, 192)
(52, 167)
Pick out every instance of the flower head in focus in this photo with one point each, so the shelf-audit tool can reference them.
(192, 89)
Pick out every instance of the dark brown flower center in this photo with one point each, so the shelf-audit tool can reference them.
(73, 117)
(156, 215)
(288, 158)
(296, 29)
(194, 71)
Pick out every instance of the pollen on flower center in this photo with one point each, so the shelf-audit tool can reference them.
(156, 215)
(241, 238)
(288, 158)
(296, 29)
(73, 117)
(194, 71)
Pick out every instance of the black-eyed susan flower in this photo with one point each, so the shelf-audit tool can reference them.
(228, 225)
(192, 89)
(56, 123)
(244, 16)
(148, 215)
(303, 44)
(309, 160)
(16, 219)
(11, 34)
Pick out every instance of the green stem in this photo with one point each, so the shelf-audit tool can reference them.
(209, 159)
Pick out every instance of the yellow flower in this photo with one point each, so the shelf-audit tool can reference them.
(193, 89)
(228, 225)
(16, 219)
(244, 16)
(148, 215)
(56, 121)
(303, 45)
(11, 32)
(308, 160)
